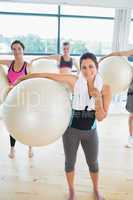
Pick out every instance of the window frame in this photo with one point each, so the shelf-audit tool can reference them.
(58, 16)
(129, 33)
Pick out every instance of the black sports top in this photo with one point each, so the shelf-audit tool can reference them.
(64, 64)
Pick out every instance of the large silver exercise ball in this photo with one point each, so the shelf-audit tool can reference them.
(116, 72)
(44, 65)
(4, 85)
(37, 111)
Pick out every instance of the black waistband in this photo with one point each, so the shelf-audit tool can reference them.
(82, 119)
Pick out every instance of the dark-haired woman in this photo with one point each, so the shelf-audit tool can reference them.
(17, 68)
(90, 103)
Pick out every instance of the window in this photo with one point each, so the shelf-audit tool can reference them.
(92, 31)
(87, 11)
(38, 34)
(28, 8)
(87, 34)
(44, 27)
(132, 13)
(131, 34)
(33, 24)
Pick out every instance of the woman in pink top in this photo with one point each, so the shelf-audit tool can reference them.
(17, 69)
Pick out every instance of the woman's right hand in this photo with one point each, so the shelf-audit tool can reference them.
(30, 63)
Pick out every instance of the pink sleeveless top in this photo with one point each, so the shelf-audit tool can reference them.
(13, 75)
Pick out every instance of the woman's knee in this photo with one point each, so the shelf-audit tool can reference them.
(69, 166)
(93, 166)
(131, 116)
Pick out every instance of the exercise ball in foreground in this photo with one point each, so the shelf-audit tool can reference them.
(44, 65)
(116, 72)
(37, 111)
(4, 86)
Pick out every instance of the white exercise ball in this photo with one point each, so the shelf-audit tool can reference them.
(116, 72)
(48, 66)
(44, 65)
(37, 111)
(4, 85)
(1, 111)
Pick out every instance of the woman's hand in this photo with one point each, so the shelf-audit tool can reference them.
(95, 93)
(30, 63)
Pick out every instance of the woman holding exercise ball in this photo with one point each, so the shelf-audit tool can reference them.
(17, 68)
(65, 61)
(90, 103)
(129, 104)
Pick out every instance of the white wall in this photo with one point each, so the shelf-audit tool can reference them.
(101, 3)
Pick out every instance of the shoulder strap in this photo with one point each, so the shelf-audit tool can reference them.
(11, 65)
(25, 67)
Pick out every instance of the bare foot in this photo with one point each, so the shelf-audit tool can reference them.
(128, 146)
(98, 196)
(12, 154)
(71, 195)
(129, 142)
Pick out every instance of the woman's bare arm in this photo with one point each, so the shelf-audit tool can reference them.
(64, 78)
(119, 53)
(5, 62)
(102, 103)
(51, 57)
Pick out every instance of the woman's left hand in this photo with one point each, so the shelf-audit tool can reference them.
(95, 93)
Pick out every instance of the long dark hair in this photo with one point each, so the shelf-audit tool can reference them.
(18, 42)
(89, 55)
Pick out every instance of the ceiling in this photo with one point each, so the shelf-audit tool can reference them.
(99, 3)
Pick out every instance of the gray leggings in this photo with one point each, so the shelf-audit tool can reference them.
(89, 141)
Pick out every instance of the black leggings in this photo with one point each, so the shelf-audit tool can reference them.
(89, 141)
(12, 141)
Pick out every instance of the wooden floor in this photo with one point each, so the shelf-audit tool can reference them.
(42, 178)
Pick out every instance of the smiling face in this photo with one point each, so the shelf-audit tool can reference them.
(88, 68)
(66, 49)
(17, 50)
